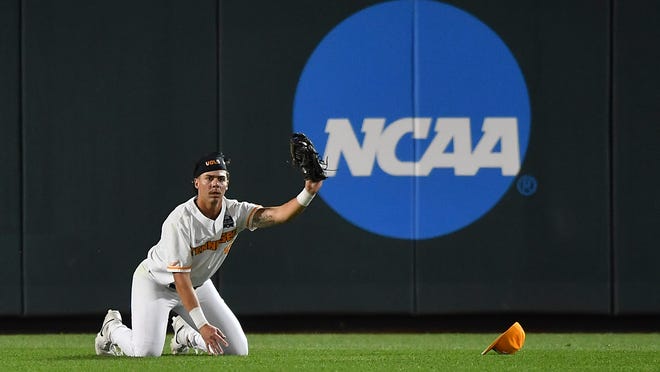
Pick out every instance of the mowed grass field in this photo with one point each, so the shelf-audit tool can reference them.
(353, 352)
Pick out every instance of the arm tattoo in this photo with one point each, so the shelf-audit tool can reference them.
(263, 218)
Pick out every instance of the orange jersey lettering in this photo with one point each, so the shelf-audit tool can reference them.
(212, 245)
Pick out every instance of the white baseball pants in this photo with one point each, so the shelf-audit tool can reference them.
(151, 304)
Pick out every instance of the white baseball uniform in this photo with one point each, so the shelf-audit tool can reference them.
(190, 242)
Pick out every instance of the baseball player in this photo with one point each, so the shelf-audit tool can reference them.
(195, 239)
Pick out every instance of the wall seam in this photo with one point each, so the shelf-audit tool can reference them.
(415, 219)
(218, 56)
(218, 89)
(611, 144)
(21, 156)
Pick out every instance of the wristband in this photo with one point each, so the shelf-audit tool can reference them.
(304, 198)
(198, 317)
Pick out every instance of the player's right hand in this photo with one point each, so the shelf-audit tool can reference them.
(214, 339)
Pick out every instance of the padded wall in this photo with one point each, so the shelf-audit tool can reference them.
(104, 107)
(119, 97)
(635, 157)
(10, 158)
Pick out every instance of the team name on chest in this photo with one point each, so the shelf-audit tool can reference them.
(212, 245)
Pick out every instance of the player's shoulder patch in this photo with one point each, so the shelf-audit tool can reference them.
(228, 221)
(241, 211)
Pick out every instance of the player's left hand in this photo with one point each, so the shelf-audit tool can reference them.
(313, 186)
(305, 157)
(214, 339)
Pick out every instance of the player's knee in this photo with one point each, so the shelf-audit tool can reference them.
(148, 351)
(238, 347)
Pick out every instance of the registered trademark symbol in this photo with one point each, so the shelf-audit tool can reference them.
(527, 185)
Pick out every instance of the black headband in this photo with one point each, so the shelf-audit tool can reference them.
(210, 162)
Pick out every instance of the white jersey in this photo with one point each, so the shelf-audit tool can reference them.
(191, 242)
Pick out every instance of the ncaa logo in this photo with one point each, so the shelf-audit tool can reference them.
(422, 113)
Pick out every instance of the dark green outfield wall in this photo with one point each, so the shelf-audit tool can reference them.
(104, 106)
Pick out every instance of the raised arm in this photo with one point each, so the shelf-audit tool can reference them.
(269, 216)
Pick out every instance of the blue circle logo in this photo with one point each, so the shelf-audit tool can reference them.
(421, 112)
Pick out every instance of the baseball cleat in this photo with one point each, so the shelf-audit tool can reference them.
(103, 344)
(176, 345)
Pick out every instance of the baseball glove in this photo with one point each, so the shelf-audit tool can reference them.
(305, 157)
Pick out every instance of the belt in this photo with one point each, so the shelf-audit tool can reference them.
(172, 286)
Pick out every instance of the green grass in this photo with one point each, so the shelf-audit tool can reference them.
(353, 352)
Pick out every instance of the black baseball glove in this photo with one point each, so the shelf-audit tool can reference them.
(305, 157)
